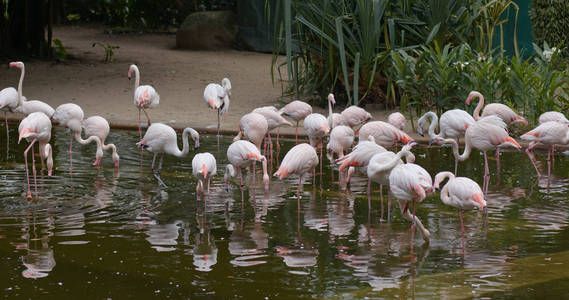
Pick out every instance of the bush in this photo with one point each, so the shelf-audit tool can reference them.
(550, 20)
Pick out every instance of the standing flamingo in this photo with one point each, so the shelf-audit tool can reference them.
(8, 102)
(380, 166)
(316, 126)
(398, 120)
(359, 157)
(548, 133)
(99, 127)
(453, 124)
(334, 119)
(145, 96)
(488, 133)
(460, 192)
(241, 154)
(296, 110)
(204, 167)
(354, 116)
(70, 115)
(161, 138)
(411, 183)
(384, 133)
(274, 120)
(36, 127)
(27, 107)
(497, 109)
(253, 127)
(341, 138)
(217, 97)
(300, 159)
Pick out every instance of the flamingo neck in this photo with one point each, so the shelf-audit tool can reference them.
(89, 140)
(136, 78)
(445, 197)
(330, 113)
(467, 149)
(20, 83)
(174, 150)
(47, 153)
(433, 125)
(229, 172)
(113, 148)
(479, 106)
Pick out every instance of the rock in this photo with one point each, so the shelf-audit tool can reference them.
(207, 30)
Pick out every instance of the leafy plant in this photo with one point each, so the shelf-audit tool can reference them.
(59, 50)
(550, 20)
(109, 50)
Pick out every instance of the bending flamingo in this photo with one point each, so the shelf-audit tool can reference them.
(296, 110)
(359, 157)
(453, 124)
(460, 192)
(204, 167)
(410, 183)
(384, 134)
(145, 96)
(99, 127)
(70, 115)
(300, 160)
(488, 133)
(398, 120)
(274, 120)
(217, 97)
(253, 127)
(241, 154)
(549, 134)
(27, 107)
(161, 139)
(354, 116)
(334, 119)
(379, 168)
(36, 127)
(553, 116)
(341, 138)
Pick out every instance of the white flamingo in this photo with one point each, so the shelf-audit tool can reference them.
(241, 154)
(145, 96)
(217, 97)
(27, 107)
(99, 127)
(204, 167)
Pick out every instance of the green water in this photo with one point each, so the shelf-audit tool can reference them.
(106, 234)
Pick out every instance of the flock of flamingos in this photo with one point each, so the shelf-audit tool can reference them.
(409, 183)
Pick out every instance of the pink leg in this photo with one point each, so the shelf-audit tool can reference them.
(240, 177)
(139, 125)
(388, 206)
(298, 191)
(296, 136)
(7, 135)
(70, 152)
(218, 123)
(497, 160)
(462, 228)
(271, 147)
(369, 195)
(531, 157)
(413, 224)
(320, 148)
(549, 164)
(34, 172)
(486, 173)
(147, 117)
(29, 195)
(381, 200)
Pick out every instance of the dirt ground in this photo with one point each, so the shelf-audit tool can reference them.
(179, 76)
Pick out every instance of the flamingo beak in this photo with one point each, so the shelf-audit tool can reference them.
(25, 132)
(13, 65)
(129, 74)
(325, 129)
(139, 101)
(479, 199)
(211, 103)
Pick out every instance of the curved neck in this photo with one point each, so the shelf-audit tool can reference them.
(479, 106)
(20, 97)
(185, 145)
(90, 139)
(465, 154)
(434, 123)
(393, 162)
(330, 108)
(136, 78)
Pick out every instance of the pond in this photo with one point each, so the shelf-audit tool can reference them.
(100, 233)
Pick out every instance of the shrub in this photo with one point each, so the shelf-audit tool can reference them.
(550, 20)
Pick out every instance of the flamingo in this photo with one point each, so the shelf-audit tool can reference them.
(217, 97)
(274, 120)
(161, 139)
(359, 157)
(8, 102)
(99, 127)
(341, 138)
(145, 96)
(380, 166)
(486, 134)
(70, 115)
(385, 134)
(497, 109)
(253, 127)
(354, 116)
(300, 160)
(411, 183)
(204, 167)
(334, 119)
(453, 123)
(398, 120)
(553, 116)
(241, 154)
(36, 127)
(548, 133)
(316, 126)
(296, 110)
(27, 107)
(460, 192)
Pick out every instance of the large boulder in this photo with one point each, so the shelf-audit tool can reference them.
(207, 30)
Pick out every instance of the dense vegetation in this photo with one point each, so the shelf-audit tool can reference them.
(421, 54)
(550, 20)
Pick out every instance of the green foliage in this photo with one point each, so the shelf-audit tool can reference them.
(59, 50)
(550, 20)
(109, 50)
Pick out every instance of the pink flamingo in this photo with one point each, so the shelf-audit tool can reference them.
(99, 127)
(453, 124)
(8, 102)
(384, 134)
(241, 154)
(398, 120)
(341, 138)
(253, 127)
(553, 116)
(411, 183)
(316, 127)
(354, 116)
(548, 133)
(334, 119)
(488, 133)
(300, 159)
(494, 109)
(204, 167)
(161, 139)
(27, 107)
(274, 120)
(460, 192)
(71, 115)
(380, 166)
(359, 157)
(296, 110)
(145, 96)
(217, 97)
(36, 127)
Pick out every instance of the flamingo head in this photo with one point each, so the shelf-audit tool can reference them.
(16, 64)
(520, 119)
(436, 140)
(24, 133)
(472, 95)
(130, 70)
(331, 99)
(211, 102)
(479, 201)
(324, 128)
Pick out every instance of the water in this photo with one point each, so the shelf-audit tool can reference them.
(101, 233)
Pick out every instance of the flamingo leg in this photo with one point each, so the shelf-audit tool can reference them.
(240, 177)
(270, 147)
(139, 126)
(29, 195)
(381, 200)
(34, 172)
(531, 157)
(388, 206)
(298, 191)
(70, 152)
(147, 117)
(320, 149)
(278, 133)
(157, 174)
(552, 153)
(498, 160)
(369, 196)
(7, 134)
(549, 164)
(218, 122)
(486, 173)
(455, 166)
(296, 135)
